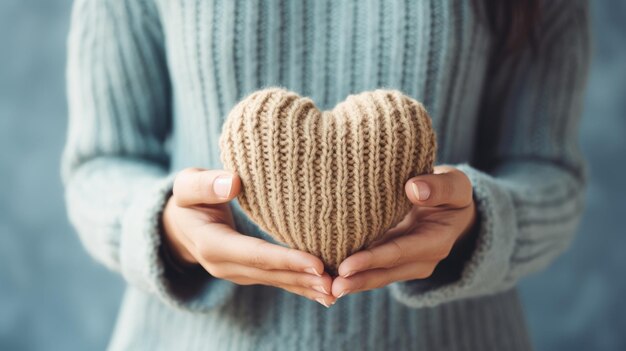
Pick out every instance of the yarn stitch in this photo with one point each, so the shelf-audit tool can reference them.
(327, 182)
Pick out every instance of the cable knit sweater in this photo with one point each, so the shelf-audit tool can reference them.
(151, 81)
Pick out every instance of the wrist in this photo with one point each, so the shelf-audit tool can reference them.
(466, 241)
(173, 249)
(471, 225)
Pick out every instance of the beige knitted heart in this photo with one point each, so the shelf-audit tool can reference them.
(330, 182)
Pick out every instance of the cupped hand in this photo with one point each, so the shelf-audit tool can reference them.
(198, 227)
(443, 211)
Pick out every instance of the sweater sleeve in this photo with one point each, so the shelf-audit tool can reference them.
(115, 162)
(528, 174)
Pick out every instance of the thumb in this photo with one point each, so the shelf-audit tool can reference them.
(448, 186)
(196, 186)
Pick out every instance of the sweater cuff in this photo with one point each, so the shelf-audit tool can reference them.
(143, 265)
(485, 268)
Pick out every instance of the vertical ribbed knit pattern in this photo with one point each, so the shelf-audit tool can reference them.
(327, 182)
(150, 83)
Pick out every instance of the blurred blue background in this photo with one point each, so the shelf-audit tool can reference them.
(53, 296)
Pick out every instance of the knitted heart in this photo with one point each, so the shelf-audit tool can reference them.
(327, 182)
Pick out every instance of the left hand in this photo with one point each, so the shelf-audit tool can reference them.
(443, 212)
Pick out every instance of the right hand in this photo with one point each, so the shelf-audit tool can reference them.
(198, 227)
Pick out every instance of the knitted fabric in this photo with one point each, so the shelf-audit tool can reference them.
(329, 182)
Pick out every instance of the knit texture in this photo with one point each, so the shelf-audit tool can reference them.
(150, 83)
(327, 182)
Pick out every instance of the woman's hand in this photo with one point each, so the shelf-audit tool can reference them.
(198, 227)
(443, 212)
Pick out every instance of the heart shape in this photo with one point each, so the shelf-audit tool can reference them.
(327, 182)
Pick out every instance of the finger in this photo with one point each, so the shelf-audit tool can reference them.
(378, 278)
(448, 186)
(419, 246)
(323, 299)
(234, 271)
(228, 245)
(194, 186)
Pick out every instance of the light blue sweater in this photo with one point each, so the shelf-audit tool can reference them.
(151, 81)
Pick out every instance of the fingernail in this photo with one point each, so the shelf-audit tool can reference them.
(320, 289)
(222, 186)
(321, 301)
(348, 274)
(312, 270)
(420, 190)
(342, 293)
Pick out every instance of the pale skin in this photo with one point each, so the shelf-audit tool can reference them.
(198, 228)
